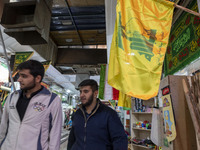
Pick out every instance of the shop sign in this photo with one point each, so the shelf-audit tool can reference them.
(184, 42)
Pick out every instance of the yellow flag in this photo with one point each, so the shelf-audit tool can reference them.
(124, 101)
(138, 47)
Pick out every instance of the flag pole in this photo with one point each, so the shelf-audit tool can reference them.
(187, 10)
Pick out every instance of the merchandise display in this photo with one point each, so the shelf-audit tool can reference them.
(141, 123)
(143, 143)
(139, 107)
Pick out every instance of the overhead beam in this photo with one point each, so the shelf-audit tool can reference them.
(81, 57)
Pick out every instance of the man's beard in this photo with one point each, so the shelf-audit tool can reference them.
(30, 86)
(90, 100)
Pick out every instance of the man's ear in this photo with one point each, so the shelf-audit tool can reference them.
(38, 78)
(96, 93)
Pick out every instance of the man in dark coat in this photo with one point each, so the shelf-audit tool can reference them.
(95, 126)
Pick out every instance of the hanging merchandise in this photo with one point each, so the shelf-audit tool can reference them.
(170, 130)
(115, 94)
(102, 81)
(108, 90)
(138, 46)
(184, 41)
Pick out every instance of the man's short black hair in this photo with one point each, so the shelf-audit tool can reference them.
(36, 68)
(89, 82)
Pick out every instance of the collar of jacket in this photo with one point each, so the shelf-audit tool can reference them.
(43, 91)
(81, 108)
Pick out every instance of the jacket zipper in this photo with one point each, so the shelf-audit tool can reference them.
(85, 126)
(85, 135)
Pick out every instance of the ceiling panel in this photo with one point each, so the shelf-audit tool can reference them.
(89, 37)
(78, 23)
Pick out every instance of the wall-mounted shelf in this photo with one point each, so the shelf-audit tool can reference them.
(144, 113)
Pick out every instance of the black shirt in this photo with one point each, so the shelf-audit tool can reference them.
(23, 102)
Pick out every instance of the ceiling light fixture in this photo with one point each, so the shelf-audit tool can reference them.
(66, 22)
(91, 40)
(69, 40)
(100, 31)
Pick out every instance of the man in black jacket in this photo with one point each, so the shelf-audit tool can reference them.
(95, 126)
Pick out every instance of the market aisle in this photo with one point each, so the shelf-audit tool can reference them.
(64, 139)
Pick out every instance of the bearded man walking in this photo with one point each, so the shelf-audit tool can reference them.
(95, 126)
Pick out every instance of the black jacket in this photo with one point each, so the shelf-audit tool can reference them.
(102, 130)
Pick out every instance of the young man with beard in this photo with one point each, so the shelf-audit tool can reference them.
(95, 126)
(32, 117)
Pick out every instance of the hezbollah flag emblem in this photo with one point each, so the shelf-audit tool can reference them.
(138, 47)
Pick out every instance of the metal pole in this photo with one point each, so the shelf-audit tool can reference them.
(5, 53)
(187, 10)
